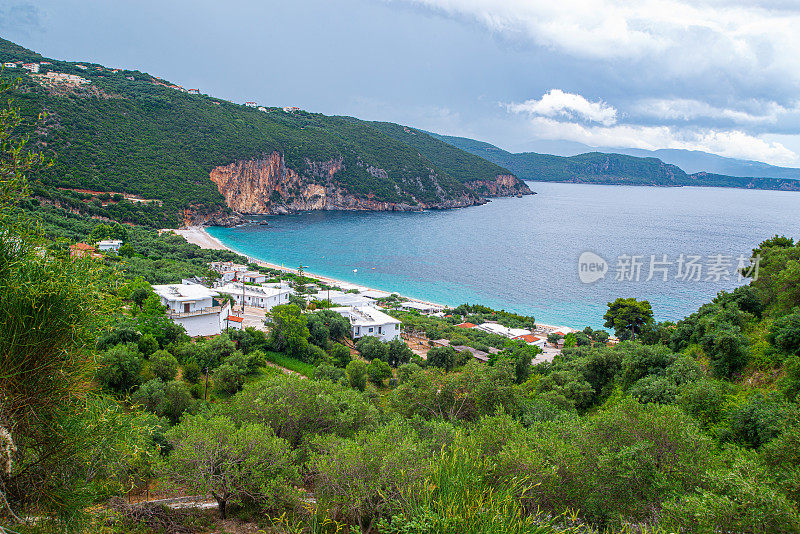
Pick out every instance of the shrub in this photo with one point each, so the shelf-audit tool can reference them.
(228, 378)
(119, 368)
(357, 374)
(371, 347)
(148, 345)
(248, 464)
(340, 355)
(164, 365)
(378, 371)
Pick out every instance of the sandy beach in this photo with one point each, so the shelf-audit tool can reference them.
(198, 235)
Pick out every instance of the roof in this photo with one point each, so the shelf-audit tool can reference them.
(82, 246)
(420, 306)
(110, 242)
(494, 328)
(234, 318)
(366, 316)
(479, 354)
(466, 325)
(184, 292)
(528, 338)
(235, 288)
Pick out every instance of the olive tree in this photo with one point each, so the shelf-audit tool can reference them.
(248, 464)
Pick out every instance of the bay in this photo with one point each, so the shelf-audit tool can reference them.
(521, 254)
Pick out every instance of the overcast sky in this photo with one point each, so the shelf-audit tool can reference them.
(722, 76)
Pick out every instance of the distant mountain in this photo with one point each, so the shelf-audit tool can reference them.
(195, 157)
(690, 161)
(610, 168)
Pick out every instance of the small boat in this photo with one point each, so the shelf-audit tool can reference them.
(355, 270)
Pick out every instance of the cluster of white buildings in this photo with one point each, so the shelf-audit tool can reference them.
(61, 77)
(517, 334)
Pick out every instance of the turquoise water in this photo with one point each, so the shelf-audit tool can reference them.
(521, 254)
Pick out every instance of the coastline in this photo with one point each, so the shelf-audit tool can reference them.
(198, 235)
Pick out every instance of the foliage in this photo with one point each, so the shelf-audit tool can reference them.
(628, 316)
(248, 464)
(289, 331)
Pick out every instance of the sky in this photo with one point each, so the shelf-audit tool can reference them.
(721, 76)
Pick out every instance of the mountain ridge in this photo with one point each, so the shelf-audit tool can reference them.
(610, 168)
(127, 131)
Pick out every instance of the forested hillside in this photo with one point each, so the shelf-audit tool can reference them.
(605, 168)
(129, 132)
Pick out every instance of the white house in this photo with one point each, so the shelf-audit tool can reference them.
(500, 330)
(259, 297)
(32, 67)
(421, 307)
(192, 306)
(340, 298)
(109, 244)
(369, 321)
(252, 277)
(10, 65)
(262, 108)
(250, 104)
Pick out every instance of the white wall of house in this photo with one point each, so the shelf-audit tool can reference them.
(206, 324)
(384, 332)
(187, 306)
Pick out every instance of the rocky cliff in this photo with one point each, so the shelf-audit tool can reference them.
(503, 185)
(268, 186)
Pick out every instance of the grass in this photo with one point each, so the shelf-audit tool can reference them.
(303, 368)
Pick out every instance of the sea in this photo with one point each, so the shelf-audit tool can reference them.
(561, 255)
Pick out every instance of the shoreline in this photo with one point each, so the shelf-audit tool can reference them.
(198, 235)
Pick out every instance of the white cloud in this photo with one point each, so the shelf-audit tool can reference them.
(557, 103)
(744, 39)
(686, 109)
(730, 143)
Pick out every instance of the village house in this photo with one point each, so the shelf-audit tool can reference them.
(194, 307)
(340, 298)
(369, 321)
(109, 244)
(500, 330)
(251, 277)
(256, 296)
(10, 65)
(291, 109)
(421, 307)
(262, 108)
(194, 91)
(250, 104)
(32, 67)
(82, 67)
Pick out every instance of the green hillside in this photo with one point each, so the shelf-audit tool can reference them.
(456, 162)
(129, 132)
(603, 168)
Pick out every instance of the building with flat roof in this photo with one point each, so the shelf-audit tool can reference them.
(421, 307)
(256, 296)
(340, 298)
(370, 321)
(192, 306)
(109, 244)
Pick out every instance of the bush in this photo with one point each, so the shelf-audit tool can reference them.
(371, 347)
(191, 372)
(357, 374)
(163, 365)
(378, 371)
(119, 368)
(228, 379)
(398, 353)
(148, 345)
(329, 372)
(340, 355)
(248, 464)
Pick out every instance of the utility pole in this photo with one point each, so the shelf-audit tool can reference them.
(205, 391)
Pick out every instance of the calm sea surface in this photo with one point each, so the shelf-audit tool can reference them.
(521, 254)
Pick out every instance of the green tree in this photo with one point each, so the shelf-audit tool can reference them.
(340, 355)
(399, 353)
(289, 332)
(357, 374)
(446, 358)
(164, 365)
(370, 347)
(378, 371)
(248, 464)
(147, 345)
(119, 368)
(628, 315)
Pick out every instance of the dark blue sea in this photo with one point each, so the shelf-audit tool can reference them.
(521, 254)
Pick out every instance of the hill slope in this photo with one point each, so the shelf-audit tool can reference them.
(129, 132)
(614, 169)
